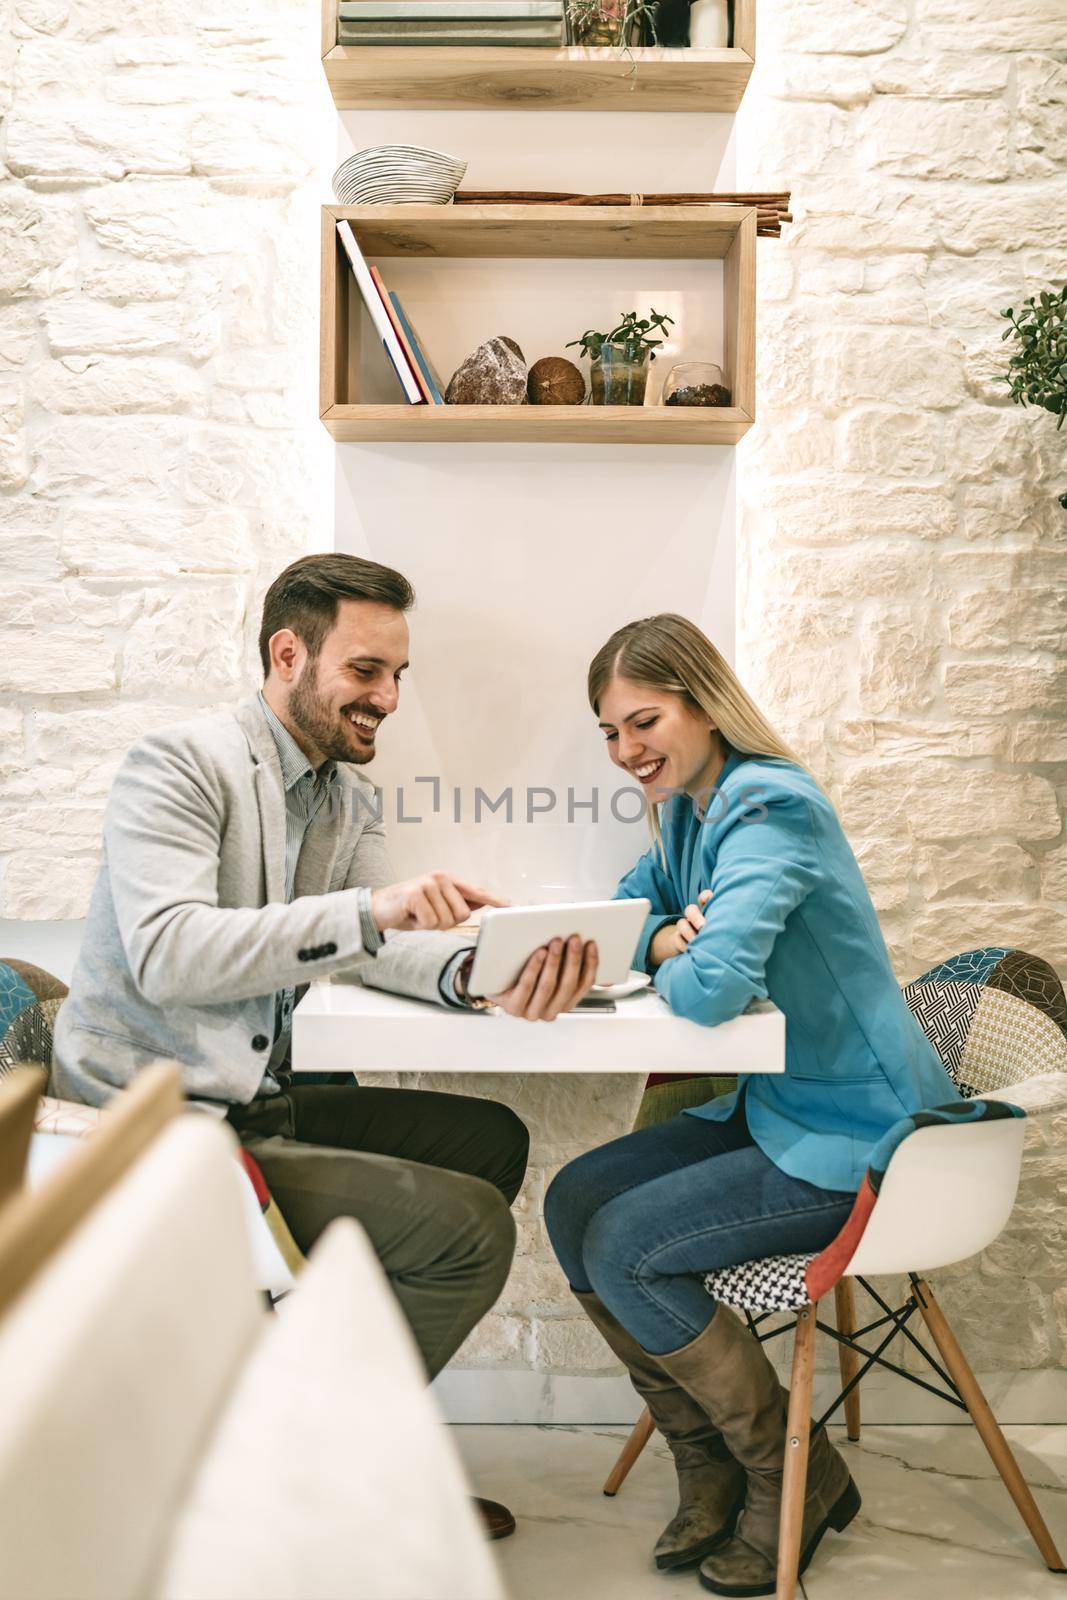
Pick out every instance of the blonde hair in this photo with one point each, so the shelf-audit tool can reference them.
(670, 653)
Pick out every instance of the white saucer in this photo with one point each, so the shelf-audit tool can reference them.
(618, 991)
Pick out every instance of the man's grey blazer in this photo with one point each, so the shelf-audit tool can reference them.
(188, 936)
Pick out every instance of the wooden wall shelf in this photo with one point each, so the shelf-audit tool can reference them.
(709, 232)
(570, 79)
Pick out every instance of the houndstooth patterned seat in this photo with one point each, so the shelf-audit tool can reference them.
(774, 1283)
(998, 1019)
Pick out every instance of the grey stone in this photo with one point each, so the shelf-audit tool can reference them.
(492, 375)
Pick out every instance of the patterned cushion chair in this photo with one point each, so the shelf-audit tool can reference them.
(940, 1187)
(29, 1001)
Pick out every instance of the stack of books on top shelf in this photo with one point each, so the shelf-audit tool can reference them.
(455, 22)
(414, 370)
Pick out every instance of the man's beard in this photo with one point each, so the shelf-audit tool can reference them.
(317, 720)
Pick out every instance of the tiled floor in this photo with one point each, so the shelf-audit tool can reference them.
(936, 1522)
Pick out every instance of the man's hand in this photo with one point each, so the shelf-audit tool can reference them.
(554, 979)
(672, 939)
(436, 900)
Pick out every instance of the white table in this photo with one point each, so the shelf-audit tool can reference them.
(343, 1027)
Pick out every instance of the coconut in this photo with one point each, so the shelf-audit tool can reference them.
(554, 381)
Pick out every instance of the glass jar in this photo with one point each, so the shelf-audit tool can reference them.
(605, 24)
(695, 383)
(618, 375)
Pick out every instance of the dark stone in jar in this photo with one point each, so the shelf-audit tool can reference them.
(699, 394)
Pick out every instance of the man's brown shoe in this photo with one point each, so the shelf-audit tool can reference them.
(497, 1520)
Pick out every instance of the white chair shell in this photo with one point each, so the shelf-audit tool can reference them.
(947, 1193)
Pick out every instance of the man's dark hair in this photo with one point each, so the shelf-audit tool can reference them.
(305, 597)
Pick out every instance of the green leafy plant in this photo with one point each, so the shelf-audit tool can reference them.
(631, 336)
(1037, 370)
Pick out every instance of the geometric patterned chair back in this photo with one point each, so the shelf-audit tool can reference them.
(29, 1000)
(995, 1016)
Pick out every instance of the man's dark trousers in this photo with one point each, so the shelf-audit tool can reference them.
(430, 1177)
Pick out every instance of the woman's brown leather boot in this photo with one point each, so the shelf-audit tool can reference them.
(727, 1372)
(711, 1485)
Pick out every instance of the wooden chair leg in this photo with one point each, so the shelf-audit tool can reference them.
(986, 1423)
(795, 1475)
(19, 1095)
(642, 1431)
(845, 1304)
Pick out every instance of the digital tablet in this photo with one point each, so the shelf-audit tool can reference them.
(509, 935)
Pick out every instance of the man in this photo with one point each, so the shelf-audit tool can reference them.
(242, 857)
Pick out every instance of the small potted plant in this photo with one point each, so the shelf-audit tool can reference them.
(603, 23)
(618, 361)
(1037, 371)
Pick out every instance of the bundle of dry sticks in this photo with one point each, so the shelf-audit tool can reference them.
(771, 209)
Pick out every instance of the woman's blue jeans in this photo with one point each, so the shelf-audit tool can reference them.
(641, 1219)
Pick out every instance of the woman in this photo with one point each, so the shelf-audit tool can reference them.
(755, 893)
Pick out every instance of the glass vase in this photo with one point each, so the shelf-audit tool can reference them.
(618, 375)
(607, 25)
(695, 383)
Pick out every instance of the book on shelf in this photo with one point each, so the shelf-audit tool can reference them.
(372, 299)
(449, 10)
(505, 31)
(483, 37)
(429, 372)
(451, 22)
(390, 304)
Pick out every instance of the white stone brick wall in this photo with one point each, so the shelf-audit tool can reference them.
(158, 330)
(902, 606)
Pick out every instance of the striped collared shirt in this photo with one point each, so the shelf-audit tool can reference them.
(306, 792)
